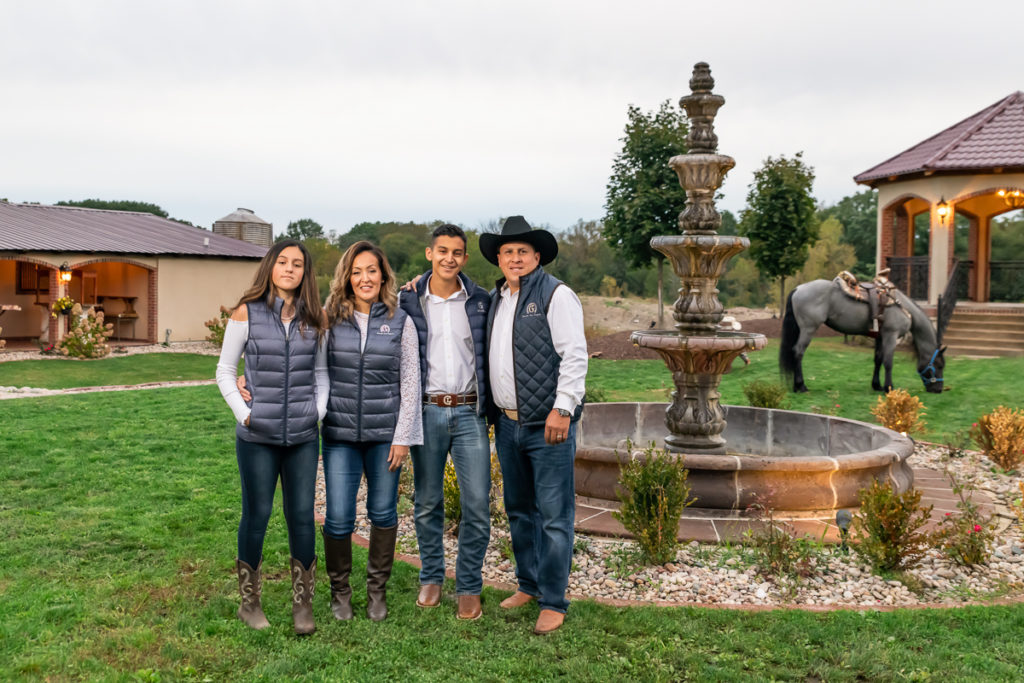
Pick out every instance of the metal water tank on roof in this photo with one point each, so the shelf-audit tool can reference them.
(244, 225)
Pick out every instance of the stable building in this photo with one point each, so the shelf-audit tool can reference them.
(155, 279)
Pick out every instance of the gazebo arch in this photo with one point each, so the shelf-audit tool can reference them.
(960, 170)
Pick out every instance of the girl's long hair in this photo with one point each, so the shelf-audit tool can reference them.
(341, 301)
(308, 312)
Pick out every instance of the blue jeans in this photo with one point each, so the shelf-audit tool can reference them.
(259, 466)
(344, 465)
(541, 504)
(459, 430)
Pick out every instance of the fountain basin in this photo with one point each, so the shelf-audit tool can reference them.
(787, 460)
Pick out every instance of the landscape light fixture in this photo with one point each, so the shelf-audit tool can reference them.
(843, 519)
(1014, 198)
(64, 271)
(942, 209)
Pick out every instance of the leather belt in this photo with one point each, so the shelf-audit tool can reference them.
(449, 400)
(511, 414)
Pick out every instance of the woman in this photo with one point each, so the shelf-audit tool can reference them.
(373, 415)
(279, 325)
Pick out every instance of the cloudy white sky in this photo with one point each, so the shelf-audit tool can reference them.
(463, 110)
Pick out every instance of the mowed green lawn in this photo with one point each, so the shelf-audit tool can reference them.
(118, 514)
(839, 378)
(64, 373)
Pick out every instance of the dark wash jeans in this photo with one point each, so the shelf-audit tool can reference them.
(541, 504)
(259, 466)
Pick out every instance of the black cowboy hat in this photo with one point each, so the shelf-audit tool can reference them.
(516, 229)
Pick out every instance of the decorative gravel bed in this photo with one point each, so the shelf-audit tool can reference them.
(727, 575)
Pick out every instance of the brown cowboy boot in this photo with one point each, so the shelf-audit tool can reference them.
(338, 557)
(303, 585)
(250, 586)
(378, 570)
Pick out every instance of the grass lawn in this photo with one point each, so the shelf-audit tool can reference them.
(65, 373)
(118, 514)
(837, 373)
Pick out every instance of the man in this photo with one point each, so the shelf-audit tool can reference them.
(450, 313)
(537, 364)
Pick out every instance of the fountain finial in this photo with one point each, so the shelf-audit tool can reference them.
(701, 106)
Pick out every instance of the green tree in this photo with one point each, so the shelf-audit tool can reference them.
(829, 256)
(116, 205)
(302, 230)
(643, 196)
(779, 218)
(858, 214)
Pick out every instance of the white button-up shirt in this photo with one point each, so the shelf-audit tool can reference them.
(451, 359)
(565, 320)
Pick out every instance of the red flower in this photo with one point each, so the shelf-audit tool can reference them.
(948, 514)
(977, 527)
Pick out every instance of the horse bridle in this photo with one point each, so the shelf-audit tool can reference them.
(932, 369)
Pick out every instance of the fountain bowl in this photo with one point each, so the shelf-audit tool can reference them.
(791, 461)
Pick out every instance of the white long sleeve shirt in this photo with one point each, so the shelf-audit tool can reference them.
(236, 334)
(565, 320)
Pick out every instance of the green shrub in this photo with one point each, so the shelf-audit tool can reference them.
(888, 527)
(776, 548)
(452, 497)
(595, 395)
(967, 537)
(654, 492)
(764, 394)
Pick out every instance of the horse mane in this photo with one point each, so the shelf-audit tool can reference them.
(925, 338)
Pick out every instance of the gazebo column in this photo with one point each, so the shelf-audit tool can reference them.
(973, 232)
(982, 257)
(939, 252)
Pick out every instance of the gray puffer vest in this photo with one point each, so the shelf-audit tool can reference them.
(280, 375)
(534, 358)
(365, 386)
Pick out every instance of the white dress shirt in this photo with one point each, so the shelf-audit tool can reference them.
(451, 358)
(565, 320)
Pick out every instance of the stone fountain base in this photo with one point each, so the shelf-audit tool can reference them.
(799, 464)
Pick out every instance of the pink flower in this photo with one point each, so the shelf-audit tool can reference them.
(948, 514)
(977, 527)
(975, 424)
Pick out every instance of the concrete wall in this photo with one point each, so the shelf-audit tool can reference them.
(191, 291)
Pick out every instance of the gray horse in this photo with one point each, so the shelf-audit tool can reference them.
(822, 301)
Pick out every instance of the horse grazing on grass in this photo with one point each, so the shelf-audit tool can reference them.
(822, 301)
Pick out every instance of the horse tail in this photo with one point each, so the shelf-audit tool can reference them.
(790, 335)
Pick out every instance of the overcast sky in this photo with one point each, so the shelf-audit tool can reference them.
(463, 110)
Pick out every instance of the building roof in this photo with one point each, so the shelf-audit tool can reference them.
(241, 215)
(36, 227)
(991, 139)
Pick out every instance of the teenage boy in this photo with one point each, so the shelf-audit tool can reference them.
(450, 312)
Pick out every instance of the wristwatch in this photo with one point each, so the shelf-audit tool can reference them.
(563, 412)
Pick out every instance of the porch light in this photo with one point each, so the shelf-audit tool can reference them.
(942, 209)
(64, 271)
(1013, 198)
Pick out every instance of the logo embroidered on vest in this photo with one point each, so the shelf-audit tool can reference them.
(384, 329)
(531, 309)
(479, 306)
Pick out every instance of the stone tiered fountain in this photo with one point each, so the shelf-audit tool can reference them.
(736, 456)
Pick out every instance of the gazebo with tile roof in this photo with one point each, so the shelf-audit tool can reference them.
(971, 169)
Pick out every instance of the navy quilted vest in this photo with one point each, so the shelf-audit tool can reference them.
(477, 304)
(279, 373)
(534, 358)
(365, 386)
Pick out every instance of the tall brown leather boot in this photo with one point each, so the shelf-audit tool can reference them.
(303, 585)
(338, 558)
(378, 570)
(250, 587)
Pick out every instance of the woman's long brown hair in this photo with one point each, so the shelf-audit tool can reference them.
(307, 295)
(342, 299)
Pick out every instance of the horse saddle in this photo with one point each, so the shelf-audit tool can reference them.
(877, 294)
